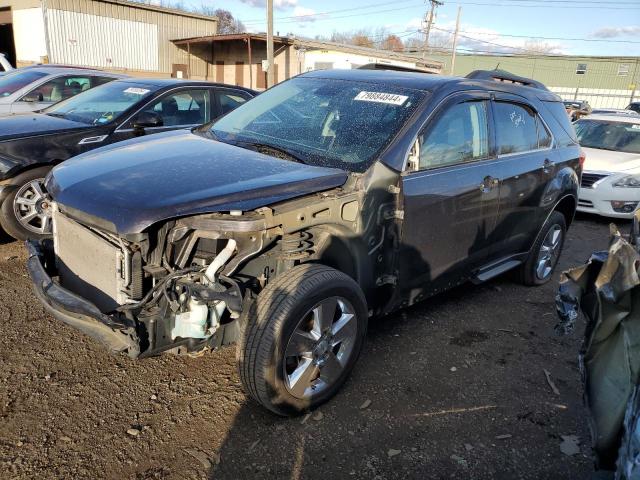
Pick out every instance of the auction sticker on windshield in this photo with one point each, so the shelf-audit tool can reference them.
(136, 91)
(379, 97)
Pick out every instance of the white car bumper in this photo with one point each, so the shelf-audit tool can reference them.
(599, 198)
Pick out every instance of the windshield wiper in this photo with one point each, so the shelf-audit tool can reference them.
(57, 115)
(268, 149)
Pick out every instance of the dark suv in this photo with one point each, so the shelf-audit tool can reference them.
(331, 198)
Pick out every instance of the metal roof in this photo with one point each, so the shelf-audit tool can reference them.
(158, 8)
(309, 44)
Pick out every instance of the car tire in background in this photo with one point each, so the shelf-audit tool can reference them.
(26, 209)
(542, 260)
(301, 338)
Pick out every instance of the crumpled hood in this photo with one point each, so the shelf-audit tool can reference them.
(609, 161)
(136, 183)
(34, 124)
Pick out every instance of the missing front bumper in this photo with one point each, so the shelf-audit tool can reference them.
(76, 311)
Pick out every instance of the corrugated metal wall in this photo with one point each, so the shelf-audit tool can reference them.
(604, 83)
(169, 26)
(104, 42)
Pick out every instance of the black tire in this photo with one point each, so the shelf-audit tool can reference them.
(528, 271)
(8, 220)
(271, 321)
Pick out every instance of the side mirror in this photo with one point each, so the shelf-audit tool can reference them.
(33, 97)
(147, 120)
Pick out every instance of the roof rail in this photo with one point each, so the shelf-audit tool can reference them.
(505, 77)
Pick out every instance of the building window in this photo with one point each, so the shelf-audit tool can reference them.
(623, 69)
(581, 69)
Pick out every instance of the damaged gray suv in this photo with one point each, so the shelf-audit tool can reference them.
(284, 226)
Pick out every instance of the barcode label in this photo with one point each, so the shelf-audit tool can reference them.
(379, 97)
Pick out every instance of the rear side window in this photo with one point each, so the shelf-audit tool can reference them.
(515, 128)
(231, 100)
(458, 136)
(565, 135)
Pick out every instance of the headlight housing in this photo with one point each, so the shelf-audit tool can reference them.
(630, 181)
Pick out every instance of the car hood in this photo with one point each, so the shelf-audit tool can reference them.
(609, 161)
(139, 182)
(33, 124)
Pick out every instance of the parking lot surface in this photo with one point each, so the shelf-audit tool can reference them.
(452, 388)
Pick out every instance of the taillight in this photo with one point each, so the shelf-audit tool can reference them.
(582, 158)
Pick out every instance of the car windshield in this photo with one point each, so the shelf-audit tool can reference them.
(329, 123)
(14, 81)
(617, 136)
(102, 104)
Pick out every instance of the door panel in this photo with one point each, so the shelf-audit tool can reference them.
(450, 207)
(450, 216)
(524, 172)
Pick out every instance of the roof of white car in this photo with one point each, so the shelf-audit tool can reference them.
(614, 118)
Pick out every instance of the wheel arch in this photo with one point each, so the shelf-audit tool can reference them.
(567, 207)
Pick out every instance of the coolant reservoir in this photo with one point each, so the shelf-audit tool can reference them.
(192, 323)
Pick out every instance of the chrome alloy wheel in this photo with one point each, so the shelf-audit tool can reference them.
(320, 347)
(32, 207)
(549, 252)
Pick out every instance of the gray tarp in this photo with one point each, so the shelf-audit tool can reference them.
(606, 290)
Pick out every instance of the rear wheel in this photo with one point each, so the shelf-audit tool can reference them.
(544, 256)
(301, 338)
(26, 212)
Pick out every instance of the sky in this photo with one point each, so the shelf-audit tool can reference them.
(574, 27)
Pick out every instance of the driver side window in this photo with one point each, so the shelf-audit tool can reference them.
(459, 135)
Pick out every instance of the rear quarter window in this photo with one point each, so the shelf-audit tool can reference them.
(557, 117)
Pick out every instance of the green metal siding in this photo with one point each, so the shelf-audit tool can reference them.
(602, 72)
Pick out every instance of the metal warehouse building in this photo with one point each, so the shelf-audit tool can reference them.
(611, 82)
(116, 35)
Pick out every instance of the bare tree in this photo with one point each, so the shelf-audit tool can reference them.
(393, 43)
(227, 23)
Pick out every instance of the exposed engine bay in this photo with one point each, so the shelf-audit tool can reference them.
(182, 285)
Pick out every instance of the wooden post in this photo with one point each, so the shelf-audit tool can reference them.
(250, 61)
(455, 42)
(270, 69)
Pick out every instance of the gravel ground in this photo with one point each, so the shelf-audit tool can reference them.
(451, 388)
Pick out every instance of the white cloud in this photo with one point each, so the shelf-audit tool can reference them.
(481, 39)
(612, 32)
(305, 14)
(277, 4)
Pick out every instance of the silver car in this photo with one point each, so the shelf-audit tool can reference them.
(34, 88)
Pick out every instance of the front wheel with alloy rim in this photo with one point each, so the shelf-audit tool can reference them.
(545, 253)
(301, 338)
(26, 211)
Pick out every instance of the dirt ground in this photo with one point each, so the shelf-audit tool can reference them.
(452, 388)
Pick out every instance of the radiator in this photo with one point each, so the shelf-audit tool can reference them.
(89, 264)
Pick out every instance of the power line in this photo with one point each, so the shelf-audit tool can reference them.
(328, 15)
(553, 38)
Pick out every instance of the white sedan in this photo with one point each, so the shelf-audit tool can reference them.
(611, 177)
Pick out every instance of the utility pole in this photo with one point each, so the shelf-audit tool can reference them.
(455, 42)
(270, 67)
(430, 16)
